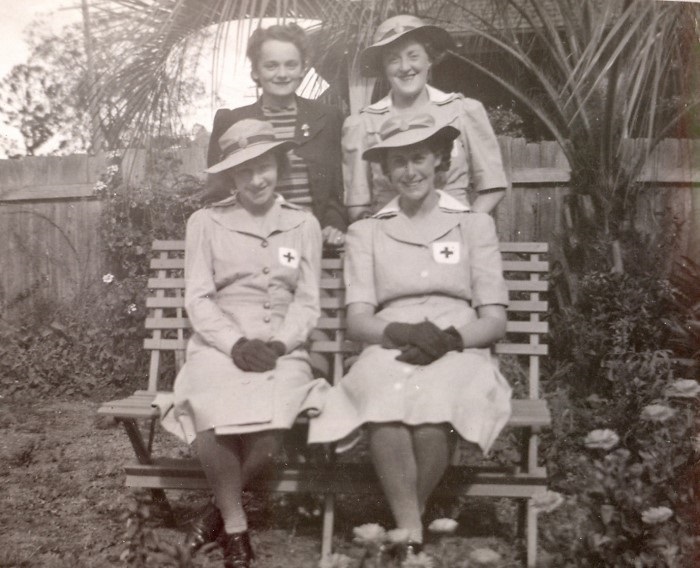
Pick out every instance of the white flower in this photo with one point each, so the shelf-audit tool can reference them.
(657, 413)
(484, 557)
(113, 169)
(131, 309)
(546, 501)
(601, 439)
(335, 561)
(114, 154)
(369, 533)
(683, 388)
(656, 515)
(443, 526)
(108, 278)
(100, 186)
(397, 535)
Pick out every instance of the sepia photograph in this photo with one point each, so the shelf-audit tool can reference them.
(349, 284)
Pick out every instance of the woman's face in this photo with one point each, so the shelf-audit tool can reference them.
(255, 182)
(406, 65)
(411, 170)
(279, 70)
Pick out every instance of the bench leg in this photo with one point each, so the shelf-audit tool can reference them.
(328, 520)
(143, 455)
(531, 534)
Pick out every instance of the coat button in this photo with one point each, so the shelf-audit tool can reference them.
(266, 305)
(264, 244)
(266, 319)
(266, 270)
(424, 274)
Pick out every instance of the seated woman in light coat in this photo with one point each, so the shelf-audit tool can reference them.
(426, 296)
(252, 272)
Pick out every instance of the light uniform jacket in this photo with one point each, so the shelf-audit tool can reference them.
(253, 278)
(475, 161)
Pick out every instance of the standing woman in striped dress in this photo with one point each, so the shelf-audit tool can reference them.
(279, 57)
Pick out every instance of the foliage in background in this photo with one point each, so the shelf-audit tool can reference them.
(623, 445)
(93, 345)
(60, 101)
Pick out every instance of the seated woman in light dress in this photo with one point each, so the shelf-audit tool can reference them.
(252, 273)
(426, 297)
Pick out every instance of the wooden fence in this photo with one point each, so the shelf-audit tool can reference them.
(50, 247)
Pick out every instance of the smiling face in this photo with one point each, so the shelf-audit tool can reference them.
(278, 70)
(411, 170)
(255, 181)
(406, 64)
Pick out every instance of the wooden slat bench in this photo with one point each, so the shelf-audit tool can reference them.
(525, 267)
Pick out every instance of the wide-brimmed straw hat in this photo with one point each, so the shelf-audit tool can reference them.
(245, 140)
(402, 131)
(395, 28)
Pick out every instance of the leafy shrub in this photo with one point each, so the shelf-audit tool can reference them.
(93, 344)
(622, 443)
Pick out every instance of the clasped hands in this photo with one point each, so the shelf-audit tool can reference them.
(256, 355)
(421, 343)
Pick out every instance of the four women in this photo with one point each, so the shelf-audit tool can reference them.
(425, 292)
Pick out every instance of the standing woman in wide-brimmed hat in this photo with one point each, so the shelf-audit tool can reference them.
(403, 52)
(252, 272)
(279, 59)
(426, 296)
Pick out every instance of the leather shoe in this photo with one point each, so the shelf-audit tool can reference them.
(204, 529)
(238, 553)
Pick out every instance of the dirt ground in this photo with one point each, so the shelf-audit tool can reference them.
(63, 502)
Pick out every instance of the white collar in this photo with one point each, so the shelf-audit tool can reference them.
(435, 96)
(231, 200)
(445, 202)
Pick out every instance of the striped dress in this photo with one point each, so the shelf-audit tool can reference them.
(294, 186)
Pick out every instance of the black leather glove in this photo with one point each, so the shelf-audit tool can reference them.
(450, 340)
(426, 335)
(254, 355)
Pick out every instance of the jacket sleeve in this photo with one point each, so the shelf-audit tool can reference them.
(356, 171)
(359, 263)
(334, 213)
(305, 309)
(207, 319)
(487, 283)
(483, 151)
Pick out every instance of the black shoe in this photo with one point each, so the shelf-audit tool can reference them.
(204, 529)
(238, 553)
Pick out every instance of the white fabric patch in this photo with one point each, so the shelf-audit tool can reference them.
(446, 252)
(288, 257)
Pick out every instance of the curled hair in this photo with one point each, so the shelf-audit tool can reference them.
(289, 33)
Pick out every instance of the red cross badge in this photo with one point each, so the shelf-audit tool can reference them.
(446, 252)
(288, 257)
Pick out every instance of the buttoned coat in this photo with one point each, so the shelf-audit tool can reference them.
(475, 160)
(441, 268)
(252, 279)
(317, 133)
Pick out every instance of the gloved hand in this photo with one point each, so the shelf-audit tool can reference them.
(255, 355)
(451, 340)
(426, 335)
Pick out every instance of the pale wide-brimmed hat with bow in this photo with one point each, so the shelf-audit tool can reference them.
(402, 131)
(245, 140)
(397, 27)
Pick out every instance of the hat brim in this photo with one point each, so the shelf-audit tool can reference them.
(409, 138)
(249, 153)
(371, 57)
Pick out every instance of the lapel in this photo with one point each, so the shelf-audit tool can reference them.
(441, 220)
(282, 217)
(311, 118)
